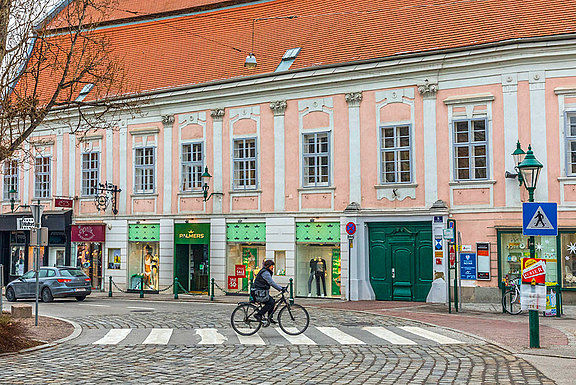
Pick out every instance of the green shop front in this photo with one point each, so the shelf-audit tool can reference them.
(192, 256)
(246, 251)
(318, 263)
(143, 257)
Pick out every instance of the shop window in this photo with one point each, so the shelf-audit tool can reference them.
(17, 260)
(143, 265)
(568, 253)
(192, 164)
(514, 247)
(250, 255)
(114, 259)
(144, 164)
(42, 172)
(89, 259)
(280, 262)
(57, 238)
(470, 149)
(244, 163)
(90, 173)
(316, 164)
(395, 153)
(10, 178)
(318, 270)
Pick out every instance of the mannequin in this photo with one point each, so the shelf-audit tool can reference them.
(320, 274)
(312, 275)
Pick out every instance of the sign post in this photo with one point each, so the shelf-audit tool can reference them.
(37, 211)
(450, 235)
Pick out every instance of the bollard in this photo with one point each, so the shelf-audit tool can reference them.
(558, 301)
(212, 283)
(110, 287)
(291, 292)
(175, 287)
(142, 286)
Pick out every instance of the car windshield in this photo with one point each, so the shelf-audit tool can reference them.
(72, 273)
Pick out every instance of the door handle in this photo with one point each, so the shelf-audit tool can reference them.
(393, 273)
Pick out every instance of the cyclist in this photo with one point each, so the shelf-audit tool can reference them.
(263, 281)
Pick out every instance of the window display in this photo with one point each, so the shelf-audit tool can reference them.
(143, 265)
(114, 259)
(514, 247)
(568, 256)
(318, 270)
(17, 260)
(252, 256)
(89, 258)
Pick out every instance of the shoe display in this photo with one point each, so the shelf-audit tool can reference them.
(323, 295)
(309, 294)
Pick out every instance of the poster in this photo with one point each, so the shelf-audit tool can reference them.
(336, 272)
(483, 261)
(468, 266)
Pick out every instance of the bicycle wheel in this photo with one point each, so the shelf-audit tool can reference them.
(244, 321)
(293, 319)
(511, 302)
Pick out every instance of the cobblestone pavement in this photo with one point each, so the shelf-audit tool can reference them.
(81, 361)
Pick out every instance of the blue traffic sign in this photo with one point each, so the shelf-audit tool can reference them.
(468, 266)
(539, 218)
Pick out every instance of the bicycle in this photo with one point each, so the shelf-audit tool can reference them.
(511, 297)
(293, 319)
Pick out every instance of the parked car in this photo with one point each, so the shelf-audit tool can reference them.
(55, 282)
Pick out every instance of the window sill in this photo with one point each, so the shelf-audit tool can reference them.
(245, 192)
(87, 197)
(144, 195)
(315, 189)
(395, 185)
(473, 183)
(190, 194)
(571, 178)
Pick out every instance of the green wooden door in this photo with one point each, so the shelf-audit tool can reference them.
(400, 260)
(182, 265)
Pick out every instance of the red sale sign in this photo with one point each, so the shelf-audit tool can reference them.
(240, 271)
(534, 270)
(232, 283)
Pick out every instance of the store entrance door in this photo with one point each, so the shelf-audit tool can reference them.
(192, 267)
(400, 260)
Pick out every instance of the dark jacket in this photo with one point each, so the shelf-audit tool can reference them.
(264, 280)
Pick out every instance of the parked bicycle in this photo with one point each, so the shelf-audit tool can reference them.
(293, 319)
(511, 296)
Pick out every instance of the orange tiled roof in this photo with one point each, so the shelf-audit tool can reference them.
(212, 46)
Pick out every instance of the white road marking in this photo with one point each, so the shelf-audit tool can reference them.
(254, 339)
(299, 339)
(140, 308)
(113, 337)
(430, 335)
(340, 336)
(389, 336)
(158, 337)
(92, 304)
(210, 337)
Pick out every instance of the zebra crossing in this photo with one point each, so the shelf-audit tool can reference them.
(368, 335)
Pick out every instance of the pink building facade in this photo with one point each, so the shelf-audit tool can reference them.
(395, 146)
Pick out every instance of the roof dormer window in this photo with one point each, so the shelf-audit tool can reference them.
(288, 58)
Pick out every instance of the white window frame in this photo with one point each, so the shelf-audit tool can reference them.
(187, 168)
(245, 182)
(317, 155)
(396, 150)
(145, 186)
(10, 177)
(569, 140)
(43, 178)
(470, 144)
(90, 175)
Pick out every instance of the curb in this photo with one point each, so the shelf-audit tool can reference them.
(77, 331)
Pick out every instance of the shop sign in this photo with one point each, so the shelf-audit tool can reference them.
(468, 266)
(232, 283)
(246, 232)
(88, 233)
(144, 232)
(483, 261)
(192, 233)
(240, 271)
(63, 202)
(25, 224)
(318, 232)
(533, 271)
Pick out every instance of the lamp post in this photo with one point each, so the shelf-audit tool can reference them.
(205, 187)
(12, 195)
(529, 171)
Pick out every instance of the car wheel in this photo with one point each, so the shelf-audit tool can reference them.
(47, 295)
(10, 295)
(81, 298)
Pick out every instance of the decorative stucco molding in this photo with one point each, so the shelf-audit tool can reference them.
(168, 120)
(353, 99)
(396, 191)
(217, 114)
(428, 89)
(278, 107)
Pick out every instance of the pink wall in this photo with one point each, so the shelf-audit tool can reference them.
(292, 157)
(266, 141)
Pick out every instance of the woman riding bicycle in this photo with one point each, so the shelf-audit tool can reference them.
(262, 282)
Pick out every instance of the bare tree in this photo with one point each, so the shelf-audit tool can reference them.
(57, 67)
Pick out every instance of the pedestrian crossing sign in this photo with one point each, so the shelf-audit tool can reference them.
(539, 219)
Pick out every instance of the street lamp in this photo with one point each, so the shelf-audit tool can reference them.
(205, 179)
(518, 156)
(12, 196)
(529, 171)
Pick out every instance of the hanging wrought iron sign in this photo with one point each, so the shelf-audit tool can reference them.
(107, 193)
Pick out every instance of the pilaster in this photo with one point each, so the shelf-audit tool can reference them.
(354, 99)
(279, 108)
(218, 184)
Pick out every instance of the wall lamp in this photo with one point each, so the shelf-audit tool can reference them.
(518, 156)
(205, 187)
